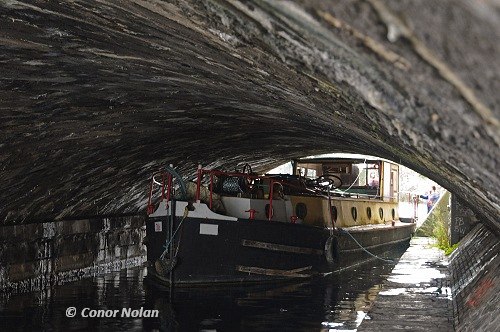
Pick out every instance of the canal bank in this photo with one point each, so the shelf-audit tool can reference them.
(38, 256)
(428, 291)
(416, 296)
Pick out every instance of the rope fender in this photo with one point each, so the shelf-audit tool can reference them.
(332, 249)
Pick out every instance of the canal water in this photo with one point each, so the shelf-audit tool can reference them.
(333, 303)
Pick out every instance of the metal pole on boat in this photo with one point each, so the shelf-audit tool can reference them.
(211, 188)
(198, 183)
(171, 198)
(150, 209)
(415, 208)
(163, 185)
(330, 211)
(271, 193)
(169, 186)
(171, 245)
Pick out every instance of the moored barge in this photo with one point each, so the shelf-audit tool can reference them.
(240, 227)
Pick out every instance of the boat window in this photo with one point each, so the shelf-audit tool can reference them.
(334, 214)
(373, 177)
(310, 170)
(359, 173)
(357, 176)
(369, 212)
(301, 210)
(339, 168)
(381, 213)
(354, 213)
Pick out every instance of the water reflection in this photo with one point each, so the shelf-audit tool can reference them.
(335, 303)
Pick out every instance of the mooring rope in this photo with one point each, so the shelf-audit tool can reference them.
(186, 211)
(355, 180)
(341, 230)
(182, 185)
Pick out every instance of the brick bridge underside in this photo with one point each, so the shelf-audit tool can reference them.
(96, 95)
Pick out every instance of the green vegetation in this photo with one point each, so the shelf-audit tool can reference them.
(437, 225)
(449, 250)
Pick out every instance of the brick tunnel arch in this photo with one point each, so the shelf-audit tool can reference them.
(95, 98)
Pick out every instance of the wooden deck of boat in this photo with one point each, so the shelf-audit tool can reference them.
(373, 227)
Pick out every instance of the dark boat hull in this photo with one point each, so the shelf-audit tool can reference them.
(208, 251)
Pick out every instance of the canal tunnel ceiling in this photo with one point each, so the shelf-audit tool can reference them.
(96, 95)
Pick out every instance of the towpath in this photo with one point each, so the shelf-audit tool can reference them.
(416, 296)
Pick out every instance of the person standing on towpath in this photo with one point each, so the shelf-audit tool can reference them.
(431, 198)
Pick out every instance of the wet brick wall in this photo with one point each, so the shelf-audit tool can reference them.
(462, 219)
(475, 281)
(33, 256)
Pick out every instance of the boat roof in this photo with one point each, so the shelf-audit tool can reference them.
(347, 157)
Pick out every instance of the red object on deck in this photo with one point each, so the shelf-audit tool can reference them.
(252, 214)
(151, 209)
(293, 219)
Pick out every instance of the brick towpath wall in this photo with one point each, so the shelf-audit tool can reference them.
(33, 256)
(470, 303)
(474, 271)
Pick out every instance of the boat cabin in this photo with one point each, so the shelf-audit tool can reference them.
(354, 177)
(321, 192)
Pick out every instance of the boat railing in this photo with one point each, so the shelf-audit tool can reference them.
(167, 175)
(354, 194)
(164, 179)
(246, 176)
(166, 188)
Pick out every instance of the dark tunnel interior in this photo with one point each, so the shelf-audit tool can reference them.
(97, 95)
